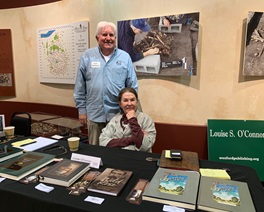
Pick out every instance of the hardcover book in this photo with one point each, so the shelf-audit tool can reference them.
(8, 152)
(224, 195)
(173, 187)
(25, 164)
(110, 181)
(190, 161)
(64, 172)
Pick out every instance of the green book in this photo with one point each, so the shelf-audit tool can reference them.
(25, 164)
(173, 187)
(8, 152)
(224, 195)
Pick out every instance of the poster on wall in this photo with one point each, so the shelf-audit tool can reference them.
(254, 45)
(238, 142)
(59, 51)
(7, 78)
(161, 46)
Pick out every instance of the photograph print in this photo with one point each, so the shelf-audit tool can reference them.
(163, 45)
(254, 45)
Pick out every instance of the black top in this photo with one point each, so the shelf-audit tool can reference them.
(16, 196)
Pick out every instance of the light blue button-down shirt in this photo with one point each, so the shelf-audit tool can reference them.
(98, 83)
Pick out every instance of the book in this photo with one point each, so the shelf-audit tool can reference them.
(64, 172)
(224, 195)
(173, 187)
(190, 161)
(8, 152)
(110, 181)
(25, 164)
(218, 173)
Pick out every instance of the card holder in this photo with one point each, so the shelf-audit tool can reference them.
(176, 154)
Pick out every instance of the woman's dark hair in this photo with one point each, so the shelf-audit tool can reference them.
(124, 90)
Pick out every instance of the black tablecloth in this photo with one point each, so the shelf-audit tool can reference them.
(15, 196)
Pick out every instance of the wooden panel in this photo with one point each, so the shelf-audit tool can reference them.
(169, 136)
(184, 137)
(7, 4)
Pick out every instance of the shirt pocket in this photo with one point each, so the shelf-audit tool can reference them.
(119, 76)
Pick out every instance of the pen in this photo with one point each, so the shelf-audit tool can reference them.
(28, 143)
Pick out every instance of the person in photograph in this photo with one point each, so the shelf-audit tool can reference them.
(103, 71)
(129, 129)
(127, 30)
(173, 19)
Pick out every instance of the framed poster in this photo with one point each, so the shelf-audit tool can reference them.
(161, 46)
(254, 45)
(59, 51)
(7, 78)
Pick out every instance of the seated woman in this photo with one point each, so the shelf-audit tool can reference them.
(129, 129)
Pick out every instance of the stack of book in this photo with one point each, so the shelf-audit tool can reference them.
(25, 164)
(64, 172)
(173, 187)
(110, 181)
(8, 152)
(189, 190)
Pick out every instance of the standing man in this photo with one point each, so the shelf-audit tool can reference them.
(103, 71)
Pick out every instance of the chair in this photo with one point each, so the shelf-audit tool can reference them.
(22, 123)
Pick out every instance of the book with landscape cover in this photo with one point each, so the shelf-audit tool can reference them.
(189, 161)
(173, 187)
(224, 195)
(110, 181)
(25, 164)
(64, 172)
(8, 152)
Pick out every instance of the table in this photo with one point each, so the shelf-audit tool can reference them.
(16, 196)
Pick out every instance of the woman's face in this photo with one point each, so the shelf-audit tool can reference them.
(128, 102)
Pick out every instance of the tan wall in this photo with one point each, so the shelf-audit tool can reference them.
(218, 91)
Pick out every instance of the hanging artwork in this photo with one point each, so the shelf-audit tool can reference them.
(7, 78)
(161, 46)
(254, 47)
(59, 50)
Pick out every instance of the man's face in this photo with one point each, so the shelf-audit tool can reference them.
(128, 102)
(117, 173)
(106, 40)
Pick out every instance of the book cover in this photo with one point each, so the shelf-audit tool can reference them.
(224, 195)
(190, 161)
(64, 172)
(110, 181)
(8, 152)
(173, 187)
(25, 164)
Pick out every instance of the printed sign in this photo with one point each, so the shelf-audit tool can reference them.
(237, 141)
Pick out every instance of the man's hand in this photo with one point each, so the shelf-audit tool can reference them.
(83, 119)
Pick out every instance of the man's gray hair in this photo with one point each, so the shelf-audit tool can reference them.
(103, 24)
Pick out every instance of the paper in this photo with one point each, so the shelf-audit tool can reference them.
(95, 200)
(40, 142)
(57, 137)
(23, 142)
(169, 208)
(95, 162)
(218, 173)
(44, 188)
(2, 179)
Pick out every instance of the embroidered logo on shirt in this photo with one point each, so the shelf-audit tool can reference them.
(118, 62)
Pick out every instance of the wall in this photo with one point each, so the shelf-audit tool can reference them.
(218, 91)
